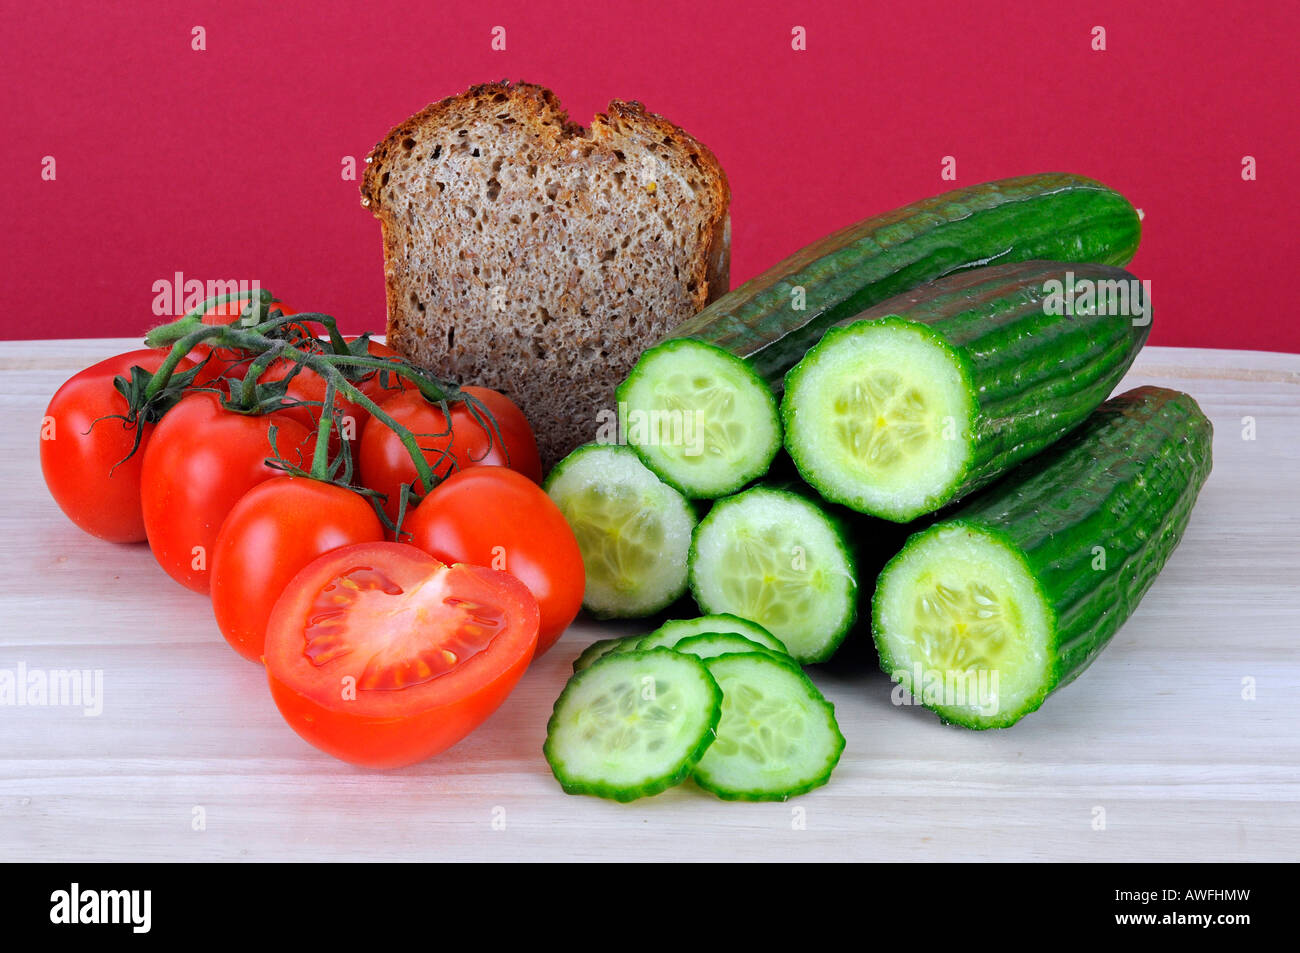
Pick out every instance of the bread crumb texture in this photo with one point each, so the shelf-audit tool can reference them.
(528, 254)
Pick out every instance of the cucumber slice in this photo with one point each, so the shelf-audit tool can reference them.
(700, 418)
(963, 626)
(776, 557)
(673, 631)
(599, 649)
(633, 531)
(778, 736)
(878, 417)
(633, 724)
(712, 644)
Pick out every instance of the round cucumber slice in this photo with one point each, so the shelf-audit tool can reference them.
(632, 724)
(777, 558)
(778, 737)
(598, 649)
(673, 631)
(633, 531)
(699, 417)
(961, 623)
(878, 417)
(712, 644)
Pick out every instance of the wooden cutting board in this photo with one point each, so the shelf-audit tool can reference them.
(1181, 743)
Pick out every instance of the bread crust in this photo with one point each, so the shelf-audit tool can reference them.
(710, 271)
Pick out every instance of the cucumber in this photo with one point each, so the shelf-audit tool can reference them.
(700, 418)
(670, 634)
(986, 613)
(599, 649)
(772, 320)
(712, 644)
(933, 394)
(633, 531)
(775, 557)
(632, 724)
(778, 736)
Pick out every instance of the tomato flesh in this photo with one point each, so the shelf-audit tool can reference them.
(383, 656)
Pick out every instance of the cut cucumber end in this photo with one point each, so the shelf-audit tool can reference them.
(961, 623)
(877, 417)
(634, 532)
(776, 558)
(699, 417)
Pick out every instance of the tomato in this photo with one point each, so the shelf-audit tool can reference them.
(276, 529)
(307, 385)
(225, 361)
(82, 460)
(491, 516)
(382, 656)
(201, 459)
(377, 385)
(384, 464)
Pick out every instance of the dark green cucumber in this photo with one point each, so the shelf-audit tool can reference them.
(986, 613)
(770, 322)
(1053, 216)
(932, 394)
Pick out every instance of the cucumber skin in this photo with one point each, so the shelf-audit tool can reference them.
(1053, 216)
(1032, 377)
(1126, 480)
(654, 786)
(595, 652)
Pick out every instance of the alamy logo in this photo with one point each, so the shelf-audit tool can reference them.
(1126, 297)
(974, 688)
(54, 688)
(179, 295)
(652, 428)
(100, 907)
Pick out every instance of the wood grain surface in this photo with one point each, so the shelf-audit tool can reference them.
(1161, 751)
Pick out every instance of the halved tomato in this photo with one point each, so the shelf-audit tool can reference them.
(383, 656)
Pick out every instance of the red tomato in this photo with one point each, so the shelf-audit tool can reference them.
(276, 529)
(82, 459)
(384, 463)
(307, 385)
(377, 385)
(382, 656)
(491, 516)
(225, 361)
(201, 460)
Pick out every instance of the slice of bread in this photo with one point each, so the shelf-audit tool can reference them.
(527, 254)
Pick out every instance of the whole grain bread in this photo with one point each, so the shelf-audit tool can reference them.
(525, 253)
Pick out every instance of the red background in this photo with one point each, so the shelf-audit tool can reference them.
(225, 164)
